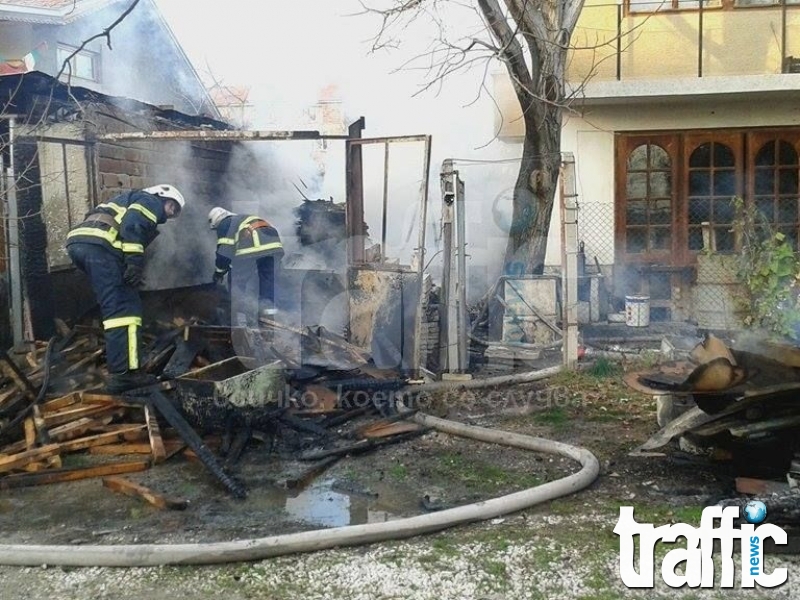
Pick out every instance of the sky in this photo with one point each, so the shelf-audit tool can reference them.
(286, 51)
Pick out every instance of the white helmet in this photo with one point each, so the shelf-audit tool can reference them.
(216, 215)
(164, 190)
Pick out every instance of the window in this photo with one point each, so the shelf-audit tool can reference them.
(711, 188)
(776, 187)
(671, 186)
(66, 194)
(648, 213)
(650, 6)
(85, 64)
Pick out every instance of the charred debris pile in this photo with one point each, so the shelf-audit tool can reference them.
(736, 404)
(222, 391)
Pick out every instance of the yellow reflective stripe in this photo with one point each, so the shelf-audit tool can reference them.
(113, 206)
(132, 248)
(245, 223)
(272, 246)
(110, 236)
(133, 347)
(144, 211)
(221, 270)
(122, 322)
(226, 241)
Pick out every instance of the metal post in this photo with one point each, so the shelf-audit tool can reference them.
(354, 195)
(423, 220)
(385, 215)
(447, 253)
(619, 40)
(569, 259)
(14, 263)
(700, 40)
(461, 277)
(783, 36)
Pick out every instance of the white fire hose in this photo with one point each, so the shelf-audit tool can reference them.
(148, 555)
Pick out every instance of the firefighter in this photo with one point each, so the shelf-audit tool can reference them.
(250, 248)
(109, 247)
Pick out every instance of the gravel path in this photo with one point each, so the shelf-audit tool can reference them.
(522, 557)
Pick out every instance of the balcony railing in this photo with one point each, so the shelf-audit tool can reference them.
(613, 43)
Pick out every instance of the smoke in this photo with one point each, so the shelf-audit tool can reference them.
(307, 46)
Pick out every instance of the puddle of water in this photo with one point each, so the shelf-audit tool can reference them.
(321, 505)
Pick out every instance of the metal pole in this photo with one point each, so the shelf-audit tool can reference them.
(448, 198)
(569, 260)
(619, 40)
(783, 36)
(700, 40)
(461, 278)
(423, 220)
(14, 264)
(385, 200)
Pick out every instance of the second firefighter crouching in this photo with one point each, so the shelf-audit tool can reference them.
(250, 249)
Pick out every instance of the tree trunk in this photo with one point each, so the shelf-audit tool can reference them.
(534, 195)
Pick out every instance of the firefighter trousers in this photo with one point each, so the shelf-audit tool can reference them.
(120, 303)
(253, 286)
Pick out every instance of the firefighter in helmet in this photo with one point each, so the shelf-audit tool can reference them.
(109, 247)
(250, 248)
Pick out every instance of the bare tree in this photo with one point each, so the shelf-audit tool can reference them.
(531, 38)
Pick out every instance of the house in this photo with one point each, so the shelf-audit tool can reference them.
(58, 161)
(54, 163)
(678, 107)
(141, 59)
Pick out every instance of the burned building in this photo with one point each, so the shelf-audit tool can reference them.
(56, 167)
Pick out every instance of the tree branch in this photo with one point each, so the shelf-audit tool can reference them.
(106, 33)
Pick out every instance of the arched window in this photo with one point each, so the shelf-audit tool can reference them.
(711, 188)
(776, 187)
(648, 207)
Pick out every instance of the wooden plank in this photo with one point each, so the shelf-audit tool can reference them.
(72, 414)
(131, 432)
(9, 367)
(171, 447)
(760, 487)
(18, 461)
(131, 488)
(30, 433)
(8, 396)
(154, 433)
(40, 426)
(82, 363)
(61, 403)
(55, 476)
(389, 430)
(99, 439)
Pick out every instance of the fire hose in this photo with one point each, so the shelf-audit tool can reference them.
(146, 555)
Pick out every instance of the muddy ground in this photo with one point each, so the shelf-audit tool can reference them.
(593, 409)
(428, 473)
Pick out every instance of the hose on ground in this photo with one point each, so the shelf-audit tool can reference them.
(145, 555)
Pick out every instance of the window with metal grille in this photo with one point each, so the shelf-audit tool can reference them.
(648, 212)
(711, 187)
(776, 187)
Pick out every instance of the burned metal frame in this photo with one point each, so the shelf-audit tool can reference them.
(354, 206)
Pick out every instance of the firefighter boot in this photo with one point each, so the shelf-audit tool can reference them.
(129, 380)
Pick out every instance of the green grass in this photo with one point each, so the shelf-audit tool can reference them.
(478, 474)
(398, 472)
(557, 417)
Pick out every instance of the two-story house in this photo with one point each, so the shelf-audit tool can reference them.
(678, 108)
(144, 61)
(55, 163)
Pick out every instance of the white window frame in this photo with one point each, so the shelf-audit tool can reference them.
(77, 62)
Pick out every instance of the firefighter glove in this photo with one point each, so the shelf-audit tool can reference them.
(219, 277)
(134, 275)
